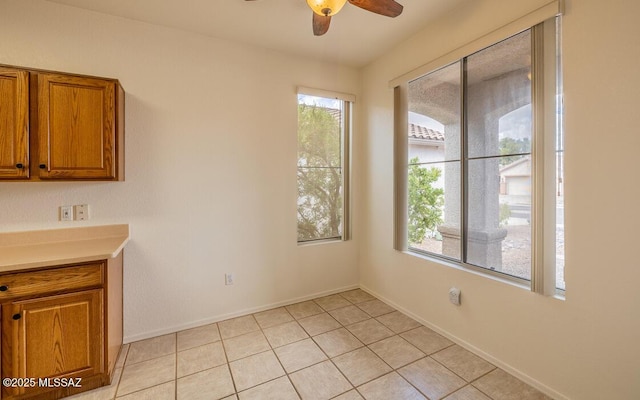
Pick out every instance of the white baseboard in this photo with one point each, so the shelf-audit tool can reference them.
(502, 365)
(239, 313)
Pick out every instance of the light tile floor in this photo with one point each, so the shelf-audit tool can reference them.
(345, 346)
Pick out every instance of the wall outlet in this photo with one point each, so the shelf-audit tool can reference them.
(228, 279)
(81, 212)
(454, 296)
(66, 213)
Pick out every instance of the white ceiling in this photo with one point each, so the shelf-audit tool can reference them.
(356, 36)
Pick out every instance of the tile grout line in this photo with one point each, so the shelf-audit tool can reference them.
(429, 355)
(280, 361)
(467, 383)
(288, 375)
(343, 326)
(311, 337)
(331, 360)
(175, 371)
(367, 347)
(272, 349)
(233, 379)
(145, 388)
(115, 394)
(480, 377)
(392, 369)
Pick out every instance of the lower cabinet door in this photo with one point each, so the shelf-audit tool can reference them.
(57, 337)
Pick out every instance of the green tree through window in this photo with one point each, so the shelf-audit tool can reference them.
(319, 173)
(513, 146)
(425, 201)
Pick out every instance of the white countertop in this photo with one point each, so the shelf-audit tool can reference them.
(34, 249)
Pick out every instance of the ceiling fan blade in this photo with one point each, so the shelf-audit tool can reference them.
(320, 24)
(388, 8)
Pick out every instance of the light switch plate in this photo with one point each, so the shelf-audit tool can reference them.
(66, 213)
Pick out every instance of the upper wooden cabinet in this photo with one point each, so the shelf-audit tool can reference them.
(14, 124)
(77, 127)
(74, 126)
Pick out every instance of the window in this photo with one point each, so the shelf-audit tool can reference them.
(483, 161)
(323, 133)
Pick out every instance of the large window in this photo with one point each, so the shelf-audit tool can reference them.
(484, 161)
(323, 132)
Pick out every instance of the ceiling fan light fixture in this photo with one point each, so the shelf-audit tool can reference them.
(326, 8)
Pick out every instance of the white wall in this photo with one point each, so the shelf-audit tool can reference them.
(587, 346)
(210, 165)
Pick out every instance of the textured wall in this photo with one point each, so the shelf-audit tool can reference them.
(210, 164)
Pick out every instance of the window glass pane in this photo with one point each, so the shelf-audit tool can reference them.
(499, 215)
(434, 208)
(499, 98)
(434, 115)
(560, 228)
(469, 171)
(434, 183)
(559, 162)
(320, 180)
(319, 203)
(499, 133)
(319, 134)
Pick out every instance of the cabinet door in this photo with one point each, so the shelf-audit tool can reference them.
(55, 336)
(14, 124)
(76, 127)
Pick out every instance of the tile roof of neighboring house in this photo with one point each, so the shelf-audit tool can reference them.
(421, 132)
(415, 131)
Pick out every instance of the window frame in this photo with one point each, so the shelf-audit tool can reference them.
(346, 124)
(542, 23)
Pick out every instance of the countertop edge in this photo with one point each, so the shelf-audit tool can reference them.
(51, 253)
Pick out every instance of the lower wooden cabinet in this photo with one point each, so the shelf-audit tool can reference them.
(53, 342)
(54, 336)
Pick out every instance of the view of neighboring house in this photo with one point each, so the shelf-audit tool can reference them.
(515, 178)
(514, 199)
(425, 142)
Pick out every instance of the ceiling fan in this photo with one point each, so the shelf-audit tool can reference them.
(323, 10)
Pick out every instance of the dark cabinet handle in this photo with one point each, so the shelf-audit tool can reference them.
(19, 165)
(43, 166)
(17, 316)
(4, 288)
